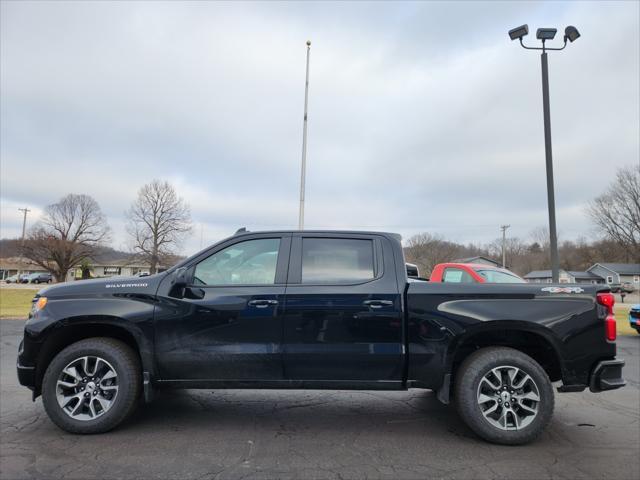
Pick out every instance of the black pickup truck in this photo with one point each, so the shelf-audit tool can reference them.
(321, 310)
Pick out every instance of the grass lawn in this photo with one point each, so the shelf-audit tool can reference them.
(15, 302)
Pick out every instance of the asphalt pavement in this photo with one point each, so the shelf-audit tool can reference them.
(203, 434)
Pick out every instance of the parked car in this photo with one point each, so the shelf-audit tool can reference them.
(316, 310)
(626, 287)
(12, 279)
(23, 278)
(472, 273)
(40, 277)
(634, 317)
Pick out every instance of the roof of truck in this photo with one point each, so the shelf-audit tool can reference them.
(339, 232)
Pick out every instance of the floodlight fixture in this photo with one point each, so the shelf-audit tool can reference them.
(546, 33)
(519, 32)
(571, 33)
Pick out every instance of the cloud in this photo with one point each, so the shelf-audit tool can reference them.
(422, 115)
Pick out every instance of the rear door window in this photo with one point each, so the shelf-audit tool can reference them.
(337, 260)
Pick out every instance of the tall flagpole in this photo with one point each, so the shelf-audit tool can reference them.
(304, 144)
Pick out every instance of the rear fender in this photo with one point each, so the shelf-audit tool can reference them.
(502, 330)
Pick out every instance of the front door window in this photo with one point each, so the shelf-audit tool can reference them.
(246, 263)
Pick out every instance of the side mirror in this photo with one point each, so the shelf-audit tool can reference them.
(180, 278)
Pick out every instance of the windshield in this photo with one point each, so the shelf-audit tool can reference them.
(500, 276)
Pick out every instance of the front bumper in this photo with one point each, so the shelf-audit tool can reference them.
(607, 375)
(26, 374)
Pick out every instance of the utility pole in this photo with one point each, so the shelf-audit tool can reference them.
(24, 221)
(304, 144)
(504, 244)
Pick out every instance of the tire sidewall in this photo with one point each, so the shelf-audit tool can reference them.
(126, 386)
(467, 388)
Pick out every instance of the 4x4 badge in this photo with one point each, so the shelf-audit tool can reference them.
(563, 289)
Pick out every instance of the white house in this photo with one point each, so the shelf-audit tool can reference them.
(118, 268)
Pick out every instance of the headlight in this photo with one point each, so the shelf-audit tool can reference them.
(39, 304)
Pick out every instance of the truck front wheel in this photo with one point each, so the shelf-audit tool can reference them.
(503, 395)
(92, 385)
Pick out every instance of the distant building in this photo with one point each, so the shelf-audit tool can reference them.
(14, 265)
(600, 273)
(564, 276)
(479, 259)
(125, 268)
(116, 268)
(618, 272)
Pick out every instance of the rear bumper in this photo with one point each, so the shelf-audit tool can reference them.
(607, 375)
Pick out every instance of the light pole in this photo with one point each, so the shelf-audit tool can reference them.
(504, 244)
(570, 33)
(303, 171)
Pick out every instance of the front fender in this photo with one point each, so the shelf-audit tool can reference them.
(66, 320)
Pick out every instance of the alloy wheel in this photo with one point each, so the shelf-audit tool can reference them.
(508, 398)
(87, 387)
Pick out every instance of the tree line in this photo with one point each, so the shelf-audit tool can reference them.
(73, 229)
(522, 255)
(615, 215)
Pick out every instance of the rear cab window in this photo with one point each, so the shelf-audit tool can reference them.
(456, 275)
(499, 276)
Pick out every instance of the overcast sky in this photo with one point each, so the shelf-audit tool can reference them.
(422, 116)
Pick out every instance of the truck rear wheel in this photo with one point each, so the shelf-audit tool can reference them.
(503, 395)
(92, 385)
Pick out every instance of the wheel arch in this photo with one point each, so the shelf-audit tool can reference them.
(536, 341)
(71, 330)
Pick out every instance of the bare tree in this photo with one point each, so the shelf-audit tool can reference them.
(68, 231)
(158, 221)
(616, 213)
(427, 250)
(514, 250)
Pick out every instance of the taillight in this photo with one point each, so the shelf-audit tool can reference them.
(608, 300)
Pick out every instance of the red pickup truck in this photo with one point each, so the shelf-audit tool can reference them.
(472, 273)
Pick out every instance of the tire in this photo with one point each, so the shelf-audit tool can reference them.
(36, 281)
(114, 356)
(513, 426)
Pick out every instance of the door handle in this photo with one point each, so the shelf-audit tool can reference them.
(263, 303)
(378, 303)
